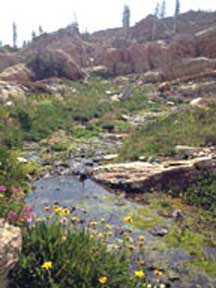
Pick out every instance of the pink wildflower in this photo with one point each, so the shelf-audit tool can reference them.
(28, 218)
(12, 215)
(28, 209)
(2, 188)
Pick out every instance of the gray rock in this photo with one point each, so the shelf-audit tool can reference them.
(159, 231)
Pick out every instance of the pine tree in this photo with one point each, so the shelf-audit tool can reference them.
(33, 35)
(14, 35)
(40, 30)
(177, 11)
(126, 17)
(24, 44)
(177, 8)
(75, 27)
(163, 9)
(157, 10)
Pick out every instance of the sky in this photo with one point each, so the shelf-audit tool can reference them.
(92, 15)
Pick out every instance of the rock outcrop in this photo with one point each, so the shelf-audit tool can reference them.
(10, 247)
(140, 58)
(54, 63)
(8, 59)
(140, 177)
(151, 45)
(206, 42)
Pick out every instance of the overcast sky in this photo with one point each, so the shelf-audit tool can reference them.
(91, 14)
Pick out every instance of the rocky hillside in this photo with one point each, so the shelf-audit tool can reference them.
(150, 47)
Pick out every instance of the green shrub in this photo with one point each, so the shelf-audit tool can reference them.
(203, 192)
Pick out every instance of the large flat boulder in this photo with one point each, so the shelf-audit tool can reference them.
(10, 248)
(143, 176)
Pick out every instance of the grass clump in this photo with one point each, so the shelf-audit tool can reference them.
(54, 257)
(193, 127)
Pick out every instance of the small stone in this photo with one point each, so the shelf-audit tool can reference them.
(22, 160)
(159, 231)
(173, 276)
(178, 214)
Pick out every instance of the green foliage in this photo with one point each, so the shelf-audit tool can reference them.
(203, 192)
(10, 133)
(193, 127)
(12, 172)
(77, 260)
(84, 133)
(190, 241)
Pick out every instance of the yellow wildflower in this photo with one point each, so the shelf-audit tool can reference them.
(57, 209)
(108, 227)
(141, 238)
(101, 235)
(65, 212)
(140, 243)
(21, 194)
(93, 223)
(131, 246)
(128, 219)
(139, 274)
(102, 280)
(109, 233)
(46, 208)
(157, 273)
(47, 265)
(1, 195)
(128, 238)
(74, 219)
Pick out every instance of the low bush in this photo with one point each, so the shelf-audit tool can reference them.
(203, 192)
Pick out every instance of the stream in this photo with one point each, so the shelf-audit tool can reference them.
(91, 202)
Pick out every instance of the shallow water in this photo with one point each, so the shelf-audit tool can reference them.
(91, 202)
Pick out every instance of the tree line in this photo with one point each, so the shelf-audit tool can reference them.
(160, 12)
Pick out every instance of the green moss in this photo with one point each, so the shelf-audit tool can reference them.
(59, 147)
(84, 133)
(147, 223)
(190, 241)
(208, 266)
